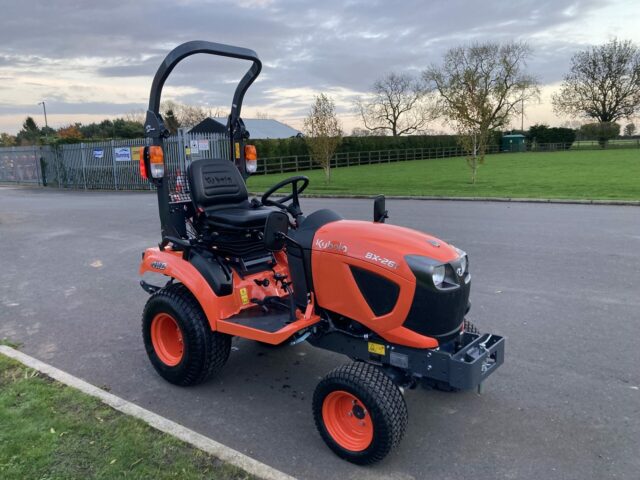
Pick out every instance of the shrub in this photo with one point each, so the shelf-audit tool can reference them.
(539, 135)
(602, 131)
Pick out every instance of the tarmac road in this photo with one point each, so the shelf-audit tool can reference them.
(562, 282)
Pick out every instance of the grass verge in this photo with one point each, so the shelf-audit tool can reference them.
(593, 175)
(51, 431)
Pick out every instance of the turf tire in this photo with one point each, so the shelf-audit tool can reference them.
(205, 352)
(383, 401)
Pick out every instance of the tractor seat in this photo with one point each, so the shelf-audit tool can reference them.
(219, 191)
(251, 218)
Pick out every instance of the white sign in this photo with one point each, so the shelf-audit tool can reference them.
(98, 153)
(203, 145)
(122, 154)
(194, 146)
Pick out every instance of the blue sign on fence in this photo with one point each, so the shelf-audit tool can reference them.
(98, 153)
(122, 154)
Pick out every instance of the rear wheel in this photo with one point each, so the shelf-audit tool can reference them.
(178, 339)
(360, 413)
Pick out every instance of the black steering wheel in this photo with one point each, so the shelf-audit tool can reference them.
(298, 185)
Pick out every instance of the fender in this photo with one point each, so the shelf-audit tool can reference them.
(215, 307)
(171, 264)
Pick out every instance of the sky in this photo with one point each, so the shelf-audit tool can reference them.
(89, 60)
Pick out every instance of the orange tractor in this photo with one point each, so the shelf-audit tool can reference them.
(392, 299)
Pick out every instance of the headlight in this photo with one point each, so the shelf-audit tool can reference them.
(438, 275)
(463, 259)
(463, 263)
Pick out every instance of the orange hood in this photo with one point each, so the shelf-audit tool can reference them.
(381, 244)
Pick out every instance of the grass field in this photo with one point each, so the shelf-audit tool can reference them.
(49, 431)
(615, 143)
(596, 174)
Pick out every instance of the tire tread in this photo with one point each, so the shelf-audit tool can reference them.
(209, 350)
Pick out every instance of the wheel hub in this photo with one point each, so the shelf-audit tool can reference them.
(347, 421)
(166, 338)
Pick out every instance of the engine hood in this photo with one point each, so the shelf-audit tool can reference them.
(381, 244)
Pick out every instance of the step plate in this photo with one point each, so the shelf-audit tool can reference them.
(255, 318)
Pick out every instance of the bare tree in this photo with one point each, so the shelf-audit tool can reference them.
(185, 115)
(630, 129)
(603, 83)
(480, 88)
(323, 133)
(138, 116)
(363, 132)
(396, 105)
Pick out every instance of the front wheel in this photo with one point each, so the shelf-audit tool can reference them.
(360, 413)
(178, 339)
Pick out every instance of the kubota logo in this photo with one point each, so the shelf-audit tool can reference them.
(216, 180)
(329, 245)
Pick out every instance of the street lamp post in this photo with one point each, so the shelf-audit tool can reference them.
(44, 108)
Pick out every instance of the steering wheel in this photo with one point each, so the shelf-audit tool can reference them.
(298, 185)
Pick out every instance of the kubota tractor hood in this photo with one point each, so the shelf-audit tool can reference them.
(381, 244)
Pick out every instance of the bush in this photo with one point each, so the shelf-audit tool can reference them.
(297, 146)
(603, 132)
(543, 134)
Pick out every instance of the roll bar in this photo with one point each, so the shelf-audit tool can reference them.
(172, 219)
(154, 125)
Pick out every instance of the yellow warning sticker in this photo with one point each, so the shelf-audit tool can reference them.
(244, 296)
(376, 348)
(237, 150)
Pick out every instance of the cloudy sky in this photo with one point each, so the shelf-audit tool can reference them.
(94, 59)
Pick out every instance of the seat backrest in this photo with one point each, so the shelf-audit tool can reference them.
(216, 182)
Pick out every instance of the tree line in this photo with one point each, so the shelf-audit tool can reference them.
(478, 89)
(176, 115)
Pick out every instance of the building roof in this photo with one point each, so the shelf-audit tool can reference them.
(259, 128)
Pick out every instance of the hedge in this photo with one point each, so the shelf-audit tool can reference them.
(297, 146)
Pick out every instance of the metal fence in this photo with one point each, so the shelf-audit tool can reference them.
(108, 165)
(113, 165)
(25, 165)
(295, 163)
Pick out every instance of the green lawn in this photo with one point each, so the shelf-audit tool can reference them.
(596, 174)
(50, 431)
(616, 142)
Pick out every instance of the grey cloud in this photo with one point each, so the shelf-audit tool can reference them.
(309, 44)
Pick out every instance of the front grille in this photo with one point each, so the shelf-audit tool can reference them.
(438, 313)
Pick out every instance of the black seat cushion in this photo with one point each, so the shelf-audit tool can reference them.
(218, 189)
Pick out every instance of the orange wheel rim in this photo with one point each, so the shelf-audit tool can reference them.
(347, 420)
(166, 338)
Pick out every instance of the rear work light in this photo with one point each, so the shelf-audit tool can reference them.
(152, 162)
(251, 158)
